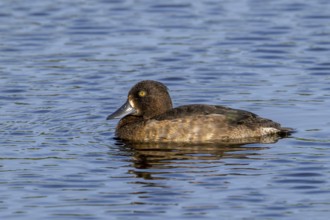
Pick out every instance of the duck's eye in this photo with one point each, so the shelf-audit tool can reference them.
(142, 93)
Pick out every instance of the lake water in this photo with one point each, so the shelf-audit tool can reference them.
(66, 65)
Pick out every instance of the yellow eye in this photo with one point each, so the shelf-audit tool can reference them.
(142, 93)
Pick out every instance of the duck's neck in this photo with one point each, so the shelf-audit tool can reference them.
(159, 108)
(129, 120)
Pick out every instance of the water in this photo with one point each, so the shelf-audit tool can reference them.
(66, 65)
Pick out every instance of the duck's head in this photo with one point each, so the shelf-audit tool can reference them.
(146, 99)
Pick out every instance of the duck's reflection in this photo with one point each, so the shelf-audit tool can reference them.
(161, 155)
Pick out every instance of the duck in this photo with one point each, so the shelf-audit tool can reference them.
(148, 116)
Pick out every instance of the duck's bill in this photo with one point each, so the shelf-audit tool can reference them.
(124, 110)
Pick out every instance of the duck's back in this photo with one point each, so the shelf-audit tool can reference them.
(201, 124)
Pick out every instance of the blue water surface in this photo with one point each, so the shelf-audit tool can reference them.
(66, 65)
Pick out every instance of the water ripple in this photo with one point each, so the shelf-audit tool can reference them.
(66, 65)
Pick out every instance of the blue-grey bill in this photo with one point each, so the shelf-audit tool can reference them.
(124, 110)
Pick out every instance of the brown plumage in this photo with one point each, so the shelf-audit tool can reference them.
(150, 117)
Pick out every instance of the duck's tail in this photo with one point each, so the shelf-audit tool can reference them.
(285, 132)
